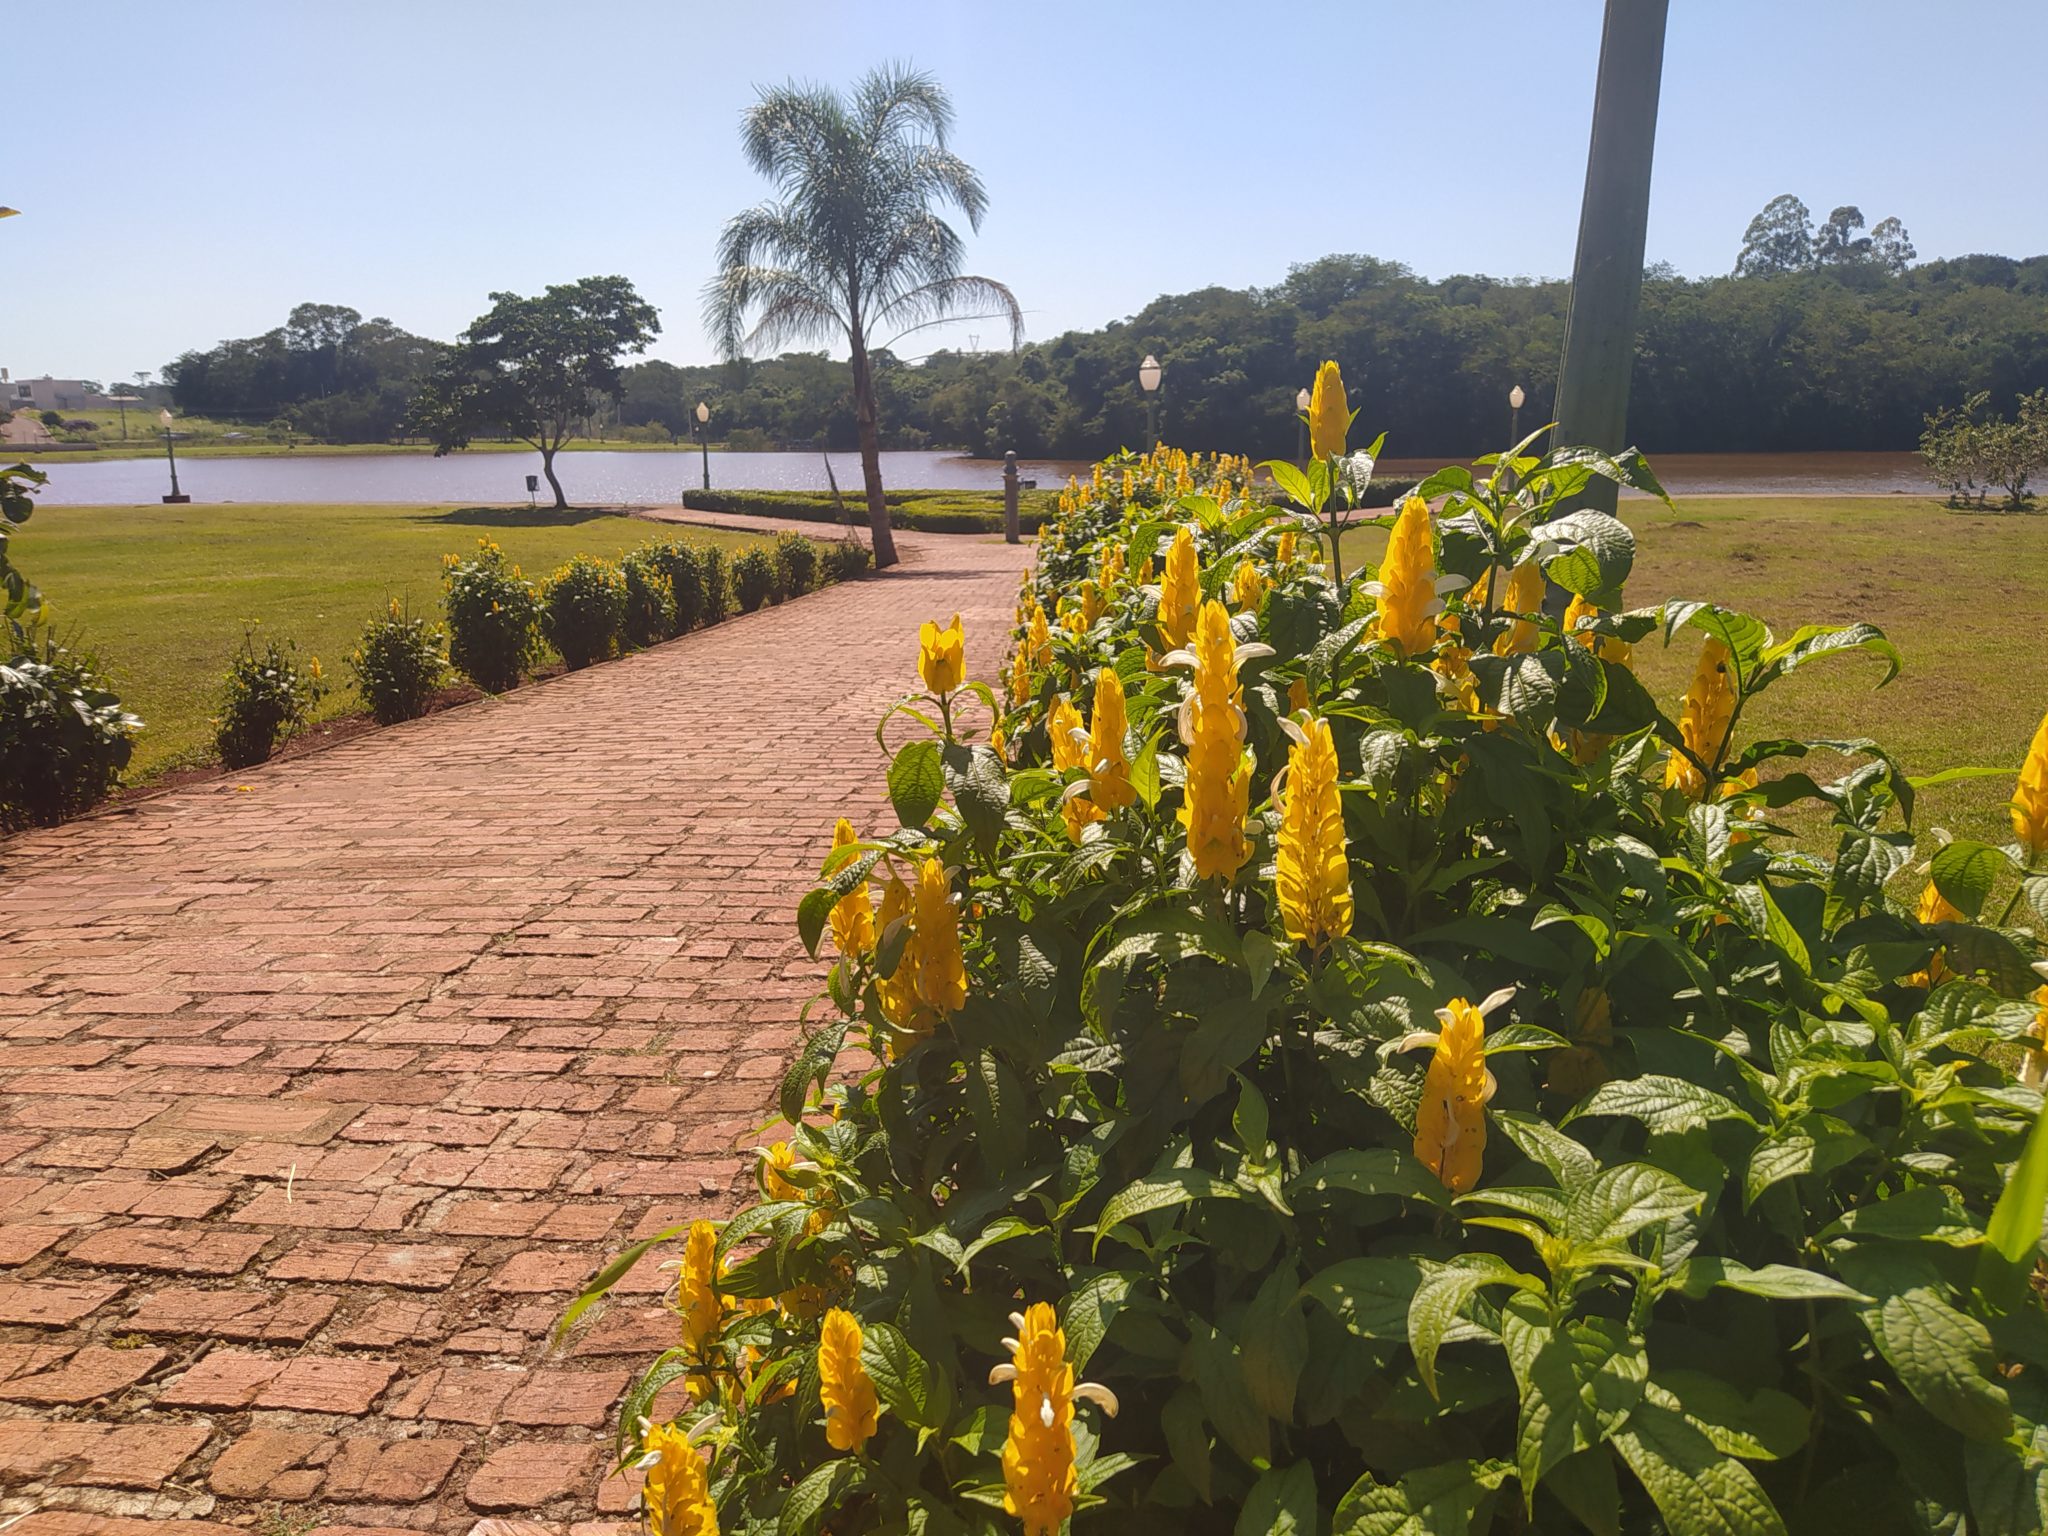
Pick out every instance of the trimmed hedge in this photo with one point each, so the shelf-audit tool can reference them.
(915, 511)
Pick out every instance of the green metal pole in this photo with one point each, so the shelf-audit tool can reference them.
(1607, 273)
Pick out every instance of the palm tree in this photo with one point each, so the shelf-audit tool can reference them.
(850, 246)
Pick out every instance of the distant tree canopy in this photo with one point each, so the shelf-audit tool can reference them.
(1843, 356)
(326, 370)
(1782, 238)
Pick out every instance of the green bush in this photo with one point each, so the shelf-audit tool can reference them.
(1408, 1063)
(267, 698)
(753, 579)
(681, 567)
(493, 618)
(717, 593)
(846, 559)
(400, 663)
(796, 564)
(583, 610)
(64, 737)
(650, 598)
(916, 511)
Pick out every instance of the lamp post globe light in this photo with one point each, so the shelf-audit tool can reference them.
(703, 415)
(1149, 374)
(1515, 400)
(1302, 397)
(171, 452)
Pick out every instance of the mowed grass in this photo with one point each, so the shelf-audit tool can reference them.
(161, 594)
(1963, 595)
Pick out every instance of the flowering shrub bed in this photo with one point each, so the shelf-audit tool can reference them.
(494, 617)
(268, 697)
(583, 610)
(399, 664)
(1400, 1061)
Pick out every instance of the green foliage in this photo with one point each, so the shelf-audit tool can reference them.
(64, 737)
(1967, 453)
(583, 610)
(19, 600)
(400, 663)
(917, 511)
(796, 564)
(1736, 1254)
(681, 564)
(267, 698)
(494, 618)
(846, 559)
(650, 598)
(717, 589)
(753, 579)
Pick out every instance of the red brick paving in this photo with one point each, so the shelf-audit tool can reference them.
(324, 1087)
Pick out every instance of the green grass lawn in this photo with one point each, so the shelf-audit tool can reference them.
(1964, 596)
(161, 594)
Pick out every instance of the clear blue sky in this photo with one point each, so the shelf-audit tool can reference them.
(189, 172)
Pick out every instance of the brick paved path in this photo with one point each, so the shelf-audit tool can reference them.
(322, 1089)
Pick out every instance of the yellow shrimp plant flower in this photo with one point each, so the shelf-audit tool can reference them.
(1450, 1127)
(1109, 770)
(1709, 706)
(1933, 907)
(941, 970)
(853, 915)
(1329, 413)
(1070, 750)
(696, 1291)
(844, 1387)
(1180, 590)
(1039, 1476)
(1406, 588)
(1522, 598)
(2030, 798)
(1212, 726)
(1247, 587)
(677, 1498)
(1314, 869)
(942, 655)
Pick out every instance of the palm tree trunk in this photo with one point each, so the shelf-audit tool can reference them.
(871, 452)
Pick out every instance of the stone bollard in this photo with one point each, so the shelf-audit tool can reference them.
(1012, 533)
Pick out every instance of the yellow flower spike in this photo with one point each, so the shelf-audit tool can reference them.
(897, 992)
(1180, 592)
(1407, 582)
(942, 655)
(776, 1161)
(941, 969)
(1314, 869)
(853, 915)
(1709, 706)
(1091, 604)
(1039, 1476)
(998, 744)
(1450, 1126)
(1020, 676)
(2030, 798)
(696, 1291)
(1606, 647)
(1247, 587)
(844, 1387)
(1283, 547)
(1329, 413)
(2034, 1065)
(1070, 750)
(677, 1498)
(1522, 597)
(1933, 908)
(1109, 770)
(1038, 641)
(1219, 773)
(1297, 696)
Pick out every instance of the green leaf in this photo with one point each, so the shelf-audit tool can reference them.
(1944, 1358)
(811, 915)
(1187, 1438)
(1965, 872)
(1273, 1344)
(1434, 1501)
(917, 779)
(1217, 1375)
(1163, 1191)
(1261, 950)
(1765, 1426)
(981, 790)
(1666, 1105)
(1371, 1297)
(1444, 1293)
(822, 1491)
(1814, 640)
(1585, 1485)
(1088, 1313)
(610, 1275)
(1282, 1503)
(1541, 1142)
(1228, 1031)
(1367, 1171)
(1002, 1112)
(1779, 930)
(1596, 553)
(2015, 1230)
(899, 1374)
(1577, 1383)
(1625, 1199)
(1698, 1490)
(1145, 772)
(1781, 1282)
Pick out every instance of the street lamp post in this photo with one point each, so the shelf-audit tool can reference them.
(1515, 401)
(1301, 403)
(171, 452)
(1149, 373)
(703, 415)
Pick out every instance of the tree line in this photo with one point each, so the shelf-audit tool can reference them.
(1836, 355)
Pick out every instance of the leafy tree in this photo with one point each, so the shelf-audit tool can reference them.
(326, 371)
(1779, 239)
(1891, 247)
(533, 367)
(851, 246)
(1836, 242)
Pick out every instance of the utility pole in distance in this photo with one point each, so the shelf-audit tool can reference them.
(1607, 272)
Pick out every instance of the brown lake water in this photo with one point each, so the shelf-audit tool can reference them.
(653, 479)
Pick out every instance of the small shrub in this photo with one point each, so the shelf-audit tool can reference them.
(647, 432)
(650, 599)
(268, 697)
(681, 568)
(717, 594)
(493, 618)
(846, 559)
(51, 419)
(796, 563)
(583, 609)
(64, 737)
(399, 664)
(753, 579)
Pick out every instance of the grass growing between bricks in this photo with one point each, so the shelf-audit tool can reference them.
(161, 594)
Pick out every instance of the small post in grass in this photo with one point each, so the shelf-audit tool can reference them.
(1012, 533)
